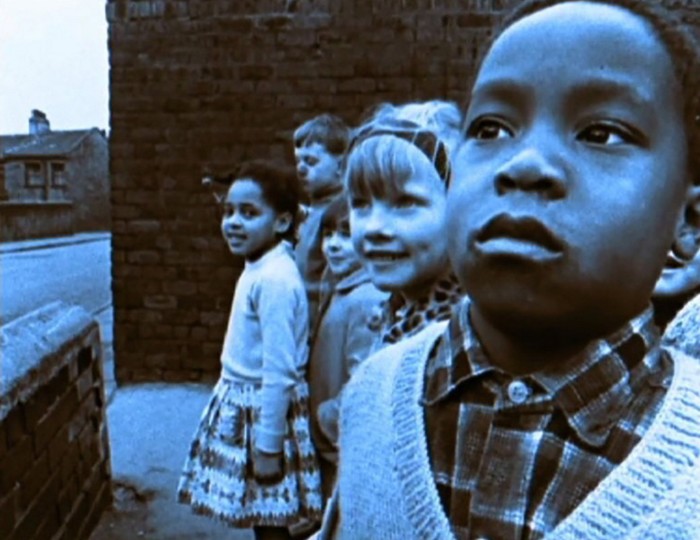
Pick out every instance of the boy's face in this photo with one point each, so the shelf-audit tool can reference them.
(316, 167)
(568, 188)
(338, 250)
(401, 237)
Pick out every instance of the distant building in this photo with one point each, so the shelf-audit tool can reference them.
(53, 183)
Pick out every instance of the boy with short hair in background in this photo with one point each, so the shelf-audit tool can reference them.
(319, 149)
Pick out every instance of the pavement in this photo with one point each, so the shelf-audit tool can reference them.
(150, 429)
(41, 243)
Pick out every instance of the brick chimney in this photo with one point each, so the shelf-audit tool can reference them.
(38, 123)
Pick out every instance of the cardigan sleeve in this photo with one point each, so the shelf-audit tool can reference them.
(277, 307)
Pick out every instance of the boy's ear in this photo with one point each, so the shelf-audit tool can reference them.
(681, 273)
(282, 222)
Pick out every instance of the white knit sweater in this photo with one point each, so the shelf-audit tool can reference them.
(386, 488)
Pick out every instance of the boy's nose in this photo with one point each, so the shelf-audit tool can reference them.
(532, 171)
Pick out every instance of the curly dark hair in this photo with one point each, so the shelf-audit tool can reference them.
(279, 186)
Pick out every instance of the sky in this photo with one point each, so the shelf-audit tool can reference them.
(53, 57)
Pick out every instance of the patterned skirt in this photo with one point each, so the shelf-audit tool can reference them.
(218, 481)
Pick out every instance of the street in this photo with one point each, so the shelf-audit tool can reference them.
(74, 273)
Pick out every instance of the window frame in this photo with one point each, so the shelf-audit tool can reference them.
(36, 180)
(63, 180)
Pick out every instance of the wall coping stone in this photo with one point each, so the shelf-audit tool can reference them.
(31, 345)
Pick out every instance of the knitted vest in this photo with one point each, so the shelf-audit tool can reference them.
(385, 484)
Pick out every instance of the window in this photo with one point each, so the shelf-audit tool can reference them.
(33, 175)
(58, 174)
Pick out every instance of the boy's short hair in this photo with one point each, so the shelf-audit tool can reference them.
(326, 129)
(335, 214)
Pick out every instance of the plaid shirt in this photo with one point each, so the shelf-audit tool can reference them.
(511, 457)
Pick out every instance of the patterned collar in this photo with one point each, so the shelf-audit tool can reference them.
(403, 318)
(592, 389)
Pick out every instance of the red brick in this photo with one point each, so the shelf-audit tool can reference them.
(14, 427)
(85, 358)
(58, 446)
(84, 383)
(59, 415)
(40, 509)
(8, 513)
(31, 482)
(15, 463)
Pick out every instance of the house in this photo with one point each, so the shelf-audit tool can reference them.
(53, 183)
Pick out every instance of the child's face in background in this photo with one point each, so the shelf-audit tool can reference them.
(338, 250)
(401, 237)
(567, 190)
(317, 168)
(249, 223)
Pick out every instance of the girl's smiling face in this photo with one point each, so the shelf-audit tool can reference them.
(250, 225)
(400, 235)
(338, 249)
(569, 186)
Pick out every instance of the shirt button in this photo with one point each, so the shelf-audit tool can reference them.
(518, 392)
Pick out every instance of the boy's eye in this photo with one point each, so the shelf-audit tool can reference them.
(359, 202)
(311, 161)
(227, 210)
(607, 135)
(488, 129)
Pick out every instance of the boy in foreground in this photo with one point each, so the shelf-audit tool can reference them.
(547, 406)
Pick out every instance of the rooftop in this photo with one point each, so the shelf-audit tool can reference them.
(49, 144)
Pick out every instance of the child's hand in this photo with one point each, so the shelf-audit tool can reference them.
(267, 467)
(327, 415)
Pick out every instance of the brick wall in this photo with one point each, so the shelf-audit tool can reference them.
(199, 84)
(54, 453)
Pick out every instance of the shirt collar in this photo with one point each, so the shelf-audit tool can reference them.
(352, 280)
(595, 387)
(407, 317)
(592, 389)
(458, 357)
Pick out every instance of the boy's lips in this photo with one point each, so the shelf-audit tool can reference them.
(523, 237)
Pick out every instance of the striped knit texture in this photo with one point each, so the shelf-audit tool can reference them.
(386, 488)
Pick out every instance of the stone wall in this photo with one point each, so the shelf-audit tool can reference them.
(54, 452)
(87, 171)
(200, 84)
(25, 220)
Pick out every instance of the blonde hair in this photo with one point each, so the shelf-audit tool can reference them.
(381, 164)
(439, 116)
(387, 147)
